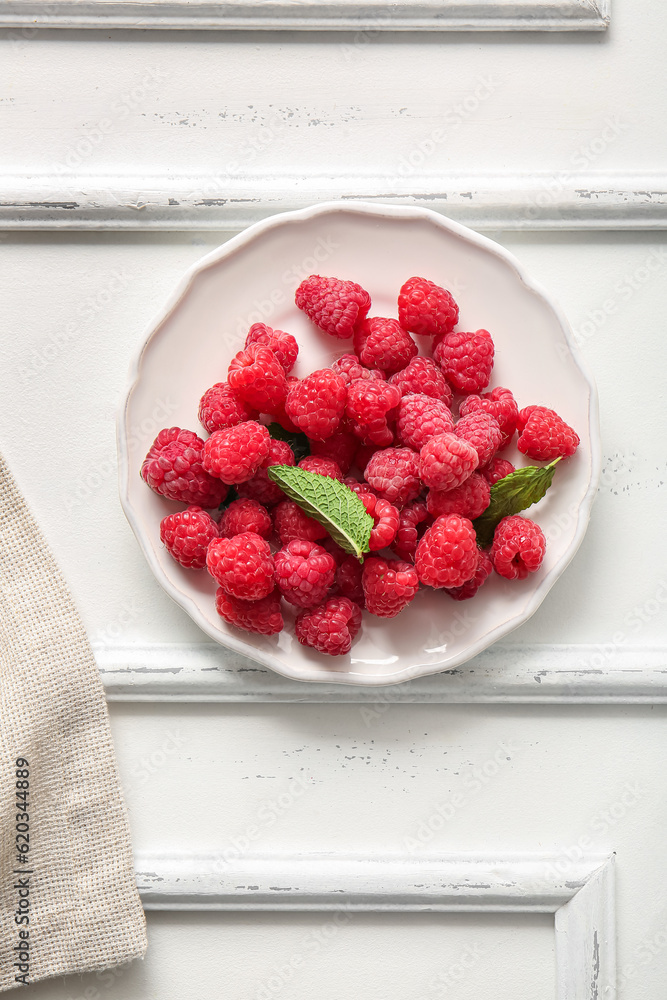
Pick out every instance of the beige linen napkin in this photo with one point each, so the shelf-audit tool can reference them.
(68, 899)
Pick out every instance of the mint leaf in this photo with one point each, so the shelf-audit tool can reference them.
(328, 501)
(298, 442)
(513, 494)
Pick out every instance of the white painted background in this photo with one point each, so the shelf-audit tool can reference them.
(74, 304)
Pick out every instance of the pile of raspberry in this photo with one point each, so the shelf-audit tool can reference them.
(404, 417)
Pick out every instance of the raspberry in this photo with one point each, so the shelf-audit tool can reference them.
(261, 616)
(385, 521)
(348, 579)
(421, 418)
(322, 466)
(543, 435)
(317, 403)
(423, 376)
(283, 345)
(329, 628)
(304, 572)
(235, 454)
(369, 407)
(447, 554)
(483, 432)
(363, 455)
(221, 407)
(242, 566)
(349, 367)
(500, 403)
(426, 309)
(384, 344)
(446, 461)
(466, 359)
(245, 515)
(359, 488)
(258, 377)
(260, 487)
(341, 447)
(337, 307)
(334, 549)
(470, 499)
(389, 585)
(174, 468)
(186, 535)
(409, 531)
(497, 469)
(280, 416)
(291, 522)
(518, 547)
(394, 473)
(469, 589)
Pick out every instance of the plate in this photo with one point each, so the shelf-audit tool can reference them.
(253, 278)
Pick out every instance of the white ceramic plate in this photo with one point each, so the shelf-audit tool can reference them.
(253, 277)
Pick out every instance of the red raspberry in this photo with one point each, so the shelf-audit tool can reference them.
(322, 466)
(317, 403)
(261, 616)
(283, 345)
(334, 549)
(245, 515)
(394, 473)
(389, 585)
(446, 461)
(258, 377)
(421, 418)
(466, 359)
(426, 309)
(242, 566)
(363, 455)
(470, 499)
(349, 367)
(385, 521)
(359, 488)
(409, 530)
(173, 468)
(235, 454)
(518, 547)
(280, 416)
(543, 435)
(469, 589)
(384, 344)
(424, 377)
(221, 407)
(291, 522)
(337, 307)
(341, 447)
(497, 469)
(369, 407)
(499, 403)
(348, 579)
(447, 554)
(186, 535)
(483, 432)
(304, 572)
(260, 487)
(329, 628)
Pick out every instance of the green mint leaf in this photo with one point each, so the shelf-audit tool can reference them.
(231, 496)
(298, 442)
(328, 501)
(513, 494)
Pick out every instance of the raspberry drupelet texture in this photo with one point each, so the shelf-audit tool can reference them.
(426, 309)
(423, 376)
(466, 359)
(258, 377)
(174, 468)
(385, 520)
(263, 616)
(383, 343)
(186, 536)
(242, 566)
(322, 466)
(349, 367)
(389, 585)
(341, 447)
(518, 547)
(283, 345)
(543, 435)
(469, 589)
(291, 522)
(359, 488)
(260, 487)
(413, 521)
(245, 515)
(316, 404)
(279, 416)
(235, 454)
(336, 306)
(304, 572)
(370, 406)
(499, 403)
(497, 469)
(446, 461)
(329, 628)
(394, 473)
(483, 432)
(447, 554)
(348, 579)
(421, 418)
(470, 499)
(221, 407)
